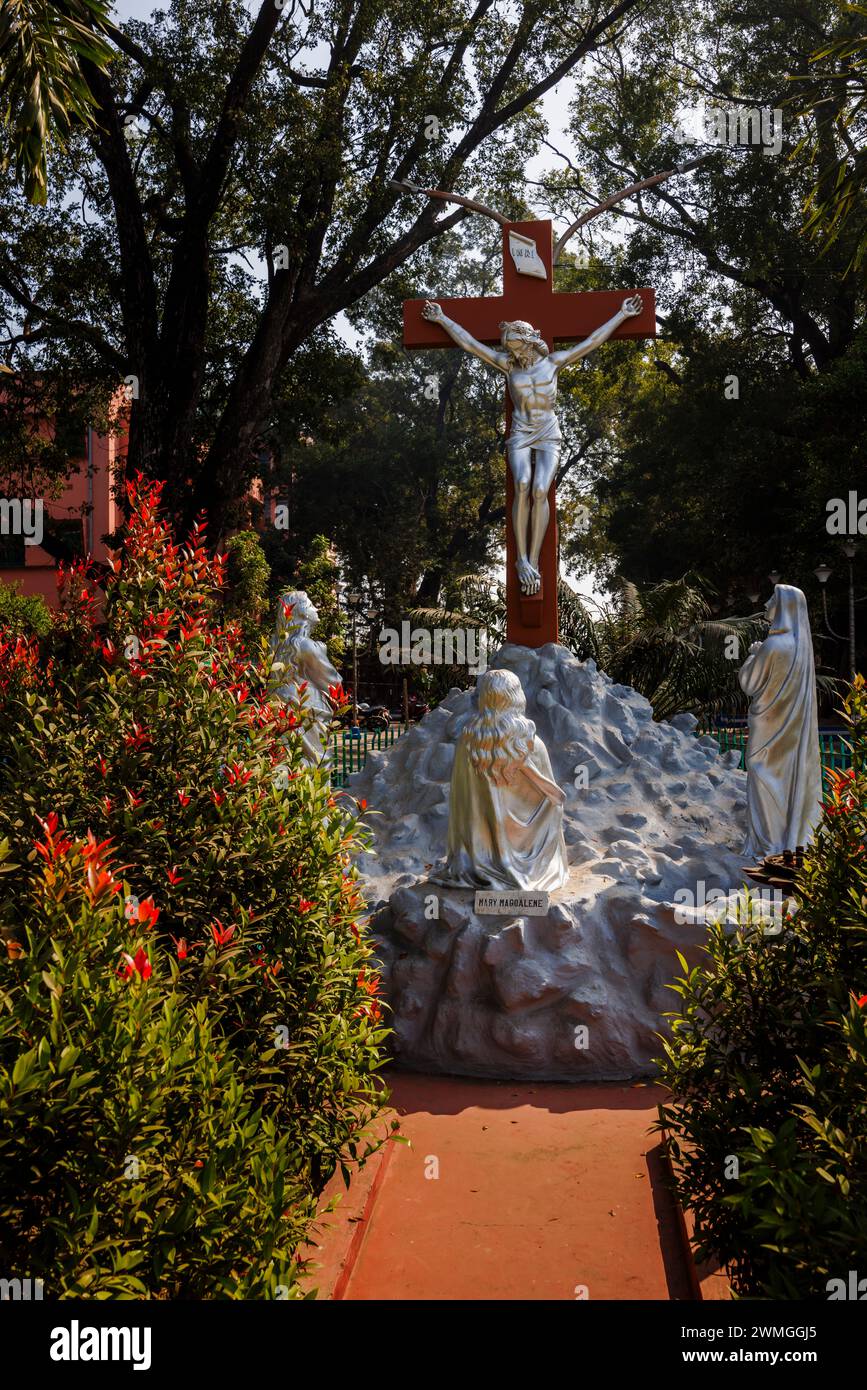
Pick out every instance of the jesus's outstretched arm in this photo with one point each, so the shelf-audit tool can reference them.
(564, 356)
(501, 360)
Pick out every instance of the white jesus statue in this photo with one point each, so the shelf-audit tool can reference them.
(531, 371)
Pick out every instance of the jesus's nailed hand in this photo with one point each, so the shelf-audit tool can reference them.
(631, 307)
(432, 311)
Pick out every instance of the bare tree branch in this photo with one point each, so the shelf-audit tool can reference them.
(619, 197)
(405, 186)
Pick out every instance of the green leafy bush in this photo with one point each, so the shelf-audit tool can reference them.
(23, 615)
(767, 1069)
(254, 1043)
(139, 1139)
(318, 575)
(246, 594)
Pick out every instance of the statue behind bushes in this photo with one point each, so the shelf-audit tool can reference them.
(784, 787)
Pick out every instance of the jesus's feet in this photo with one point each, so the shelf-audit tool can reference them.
(528, 577)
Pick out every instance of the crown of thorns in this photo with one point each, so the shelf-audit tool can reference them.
(519, 328)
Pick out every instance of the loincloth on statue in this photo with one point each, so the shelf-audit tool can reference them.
(528, 434)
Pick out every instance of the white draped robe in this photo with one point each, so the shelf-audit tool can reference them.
(504, 835)
(784, 777)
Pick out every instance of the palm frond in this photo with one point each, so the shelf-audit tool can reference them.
(44, 93)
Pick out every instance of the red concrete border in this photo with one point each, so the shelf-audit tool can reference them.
(340, 1233)
(709, 1282)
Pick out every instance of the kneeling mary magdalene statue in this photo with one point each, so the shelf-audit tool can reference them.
(505, 810)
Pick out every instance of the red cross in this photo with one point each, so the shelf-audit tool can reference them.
(560, 318)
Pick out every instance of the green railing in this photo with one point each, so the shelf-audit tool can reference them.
(834, 748)
(349, 754)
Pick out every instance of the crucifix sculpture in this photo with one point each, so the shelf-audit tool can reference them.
(517, 332)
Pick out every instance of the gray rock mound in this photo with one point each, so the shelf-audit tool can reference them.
(578, 994)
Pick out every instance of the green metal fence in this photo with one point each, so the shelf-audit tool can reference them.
(349, 754)
(834, 748)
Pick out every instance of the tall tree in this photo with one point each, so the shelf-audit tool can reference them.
(837, 84)
(749, 413)
(235, 195)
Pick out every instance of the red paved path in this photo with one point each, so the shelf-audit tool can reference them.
(541, 1188)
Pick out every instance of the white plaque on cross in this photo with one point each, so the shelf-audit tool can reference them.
(526, 257)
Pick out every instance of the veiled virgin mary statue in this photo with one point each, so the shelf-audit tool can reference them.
(505, 810)
(784, 781)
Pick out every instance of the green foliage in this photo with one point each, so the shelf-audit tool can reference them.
(471, 605)
(661, 640)
(147, 760)
(767, 1064)
(405, 477)
(43, 91)
(310, 566)
(147, 1148)
(837, 96)
(319, 575)
(246, 599)
(288, 129)
(735, 488)
(23, 615)
(747, 414)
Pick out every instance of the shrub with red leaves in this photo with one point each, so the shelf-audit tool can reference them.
(145, 735)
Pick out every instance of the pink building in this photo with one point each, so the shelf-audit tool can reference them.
(84, 513)
(86, 510)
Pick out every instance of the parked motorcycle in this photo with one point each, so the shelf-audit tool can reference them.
(372, 717)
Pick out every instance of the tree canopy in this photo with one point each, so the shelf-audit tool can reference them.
(748, 415)
(233, 196)
(222, 216)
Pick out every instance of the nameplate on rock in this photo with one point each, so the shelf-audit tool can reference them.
(511, 902)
